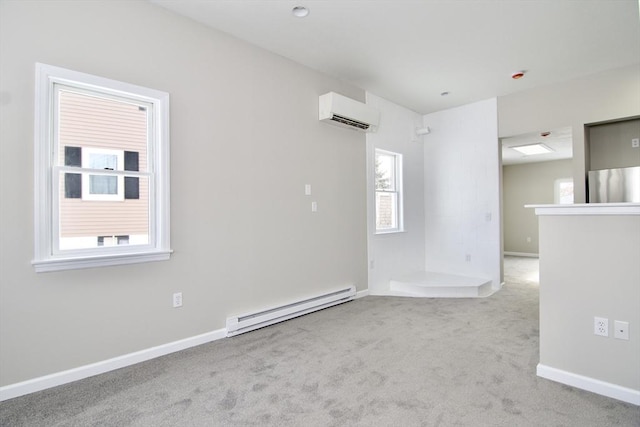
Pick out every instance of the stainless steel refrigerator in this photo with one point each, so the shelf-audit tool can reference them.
(615, 185)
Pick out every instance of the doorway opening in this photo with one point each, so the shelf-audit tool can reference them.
(536, 169)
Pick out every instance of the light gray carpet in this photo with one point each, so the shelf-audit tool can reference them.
(376, 361)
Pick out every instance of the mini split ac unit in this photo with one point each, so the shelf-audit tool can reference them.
(346, 112)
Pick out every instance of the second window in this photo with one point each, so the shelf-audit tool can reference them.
(388, 187)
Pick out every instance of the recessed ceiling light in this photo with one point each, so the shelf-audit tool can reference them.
(518, 75)
(533, 149)
(300, 11)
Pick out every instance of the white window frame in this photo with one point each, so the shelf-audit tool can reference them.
(47, 256)
(398, 191)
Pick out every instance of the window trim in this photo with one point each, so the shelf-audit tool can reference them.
(46, 257)
(398, 191)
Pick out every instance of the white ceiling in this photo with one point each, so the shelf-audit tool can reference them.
(558, 140)
(409, 51)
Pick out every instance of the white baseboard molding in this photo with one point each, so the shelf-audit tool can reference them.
(593, 385)
(75, 374)
(527, 254)
(360, 294)
(59, 378)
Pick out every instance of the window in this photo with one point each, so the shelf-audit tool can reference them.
(563, 191)
(101, 172)
(388, 187)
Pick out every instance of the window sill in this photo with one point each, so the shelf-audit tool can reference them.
(58, 264)
(382, 233)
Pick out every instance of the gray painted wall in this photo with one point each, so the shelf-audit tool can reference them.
(245, 139)
(528, 184)
(610, 145)
(605, 96)
(589, 267)
(599, 97)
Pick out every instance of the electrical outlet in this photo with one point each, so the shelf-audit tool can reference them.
(177, 300)
(467, 258)
(621, 330)
(635, 142)
(601, 326)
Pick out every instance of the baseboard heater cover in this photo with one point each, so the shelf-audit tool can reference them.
(248, 322)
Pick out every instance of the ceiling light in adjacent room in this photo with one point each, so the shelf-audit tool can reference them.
(533, 149)
(518, 75)
(300, 11)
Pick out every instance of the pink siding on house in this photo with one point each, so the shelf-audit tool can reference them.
(87, 121)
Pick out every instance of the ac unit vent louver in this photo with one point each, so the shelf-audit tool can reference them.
(346, 112)
(349, 122)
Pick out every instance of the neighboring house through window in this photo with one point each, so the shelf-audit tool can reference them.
(388, 188)
(102, 171)
(563, 191)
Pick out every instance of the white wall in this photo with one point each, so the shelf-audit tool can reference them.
(391, 255)
(605, 96)
(462, 191)
(245, 139)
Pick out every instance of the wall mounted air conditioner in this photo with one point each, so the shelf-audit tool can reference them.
(346, 112)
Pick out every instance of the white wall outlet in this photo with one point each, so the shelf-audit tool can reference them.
(601, 326)
(467, 257)
(635, 143)
(177, 300)
(621, 330)
(314, 207)
(528, 239)
(307, 189)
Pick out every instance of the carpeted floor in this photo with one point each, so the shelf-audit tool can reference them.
(376, 361)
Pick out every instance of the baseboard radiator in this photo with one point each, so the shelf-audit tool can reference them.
(251, 321)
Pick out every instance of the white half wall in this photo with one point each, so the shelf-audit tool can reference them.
(589, 268)
(391, 255)
(462, 191)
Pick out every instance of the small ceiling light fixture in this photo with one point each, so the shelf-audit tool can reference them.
(518, 75)
(300, 11)
(445, 93)
(533, 149)
(545, 134)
